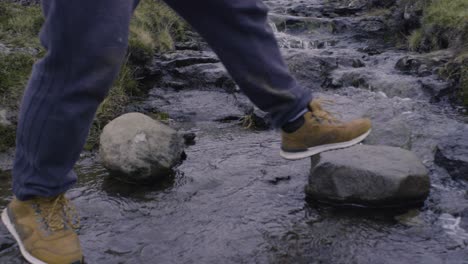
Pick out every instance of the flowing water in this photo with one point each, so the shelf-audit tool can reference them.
(234, 200)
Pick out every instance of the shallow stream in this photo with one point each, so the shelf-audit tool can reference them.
(235, 200)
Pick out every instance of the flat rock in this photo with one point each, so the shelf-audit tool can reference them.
(138, 148)
(198, 106)
(377, 176)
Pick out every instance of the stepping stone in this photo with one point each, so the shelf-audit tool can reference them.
(363, 175)
(136, 148)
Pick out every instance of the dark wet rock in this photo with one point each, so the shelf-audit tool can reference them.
(346, 8)
(355, 79)
(197, 105)
(261, 119)
(277, 180)
(6, 240)
(186, 58)
(368, 175)
(257, 119)
(464, 219)
(205, 75)
(189, 138)
(407, 15)
(408, 64)
(337, 8)
(191, 69)
(379, 81)
(424, 71)
(303, 10)
(452, 154)
(339, 26)
(299, 24)
(370, 50)
(139, 148)
(437, 89)
(310, 67)
(423, 65)
(357, 63)
(188, 45)
(372, 25)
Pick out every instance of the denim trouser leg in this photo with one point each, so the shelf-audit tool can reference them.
(237, 30)
(86, 41)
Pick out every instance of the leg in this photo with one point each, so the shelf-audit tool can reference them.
(238, 32)
(86, 41)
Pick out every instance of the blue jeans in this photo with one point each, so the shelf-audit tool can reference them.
(86, 41)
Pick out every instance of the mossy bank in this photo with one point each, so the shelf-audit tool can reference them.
(442, 24)
(154, 28)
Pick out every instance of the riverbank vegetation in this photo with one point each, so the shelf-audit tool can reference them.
(444, 24)
(154, 28)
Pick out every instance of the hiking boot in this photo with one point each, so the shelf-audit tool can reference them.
(321, 132)
(44, 230)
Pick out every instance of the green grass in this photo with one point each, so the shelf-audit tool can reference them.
(20, 25)
(447, 13)
(19, 28)
(414, 39)
(154, 28)
(7, 136)
(444, 25)
(14, 72)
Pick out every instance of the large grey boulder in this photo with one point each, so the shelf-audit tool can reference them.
(139, 148)
(368, 175)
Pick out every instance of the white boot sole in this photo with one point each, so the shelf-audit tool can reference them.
(6, 221)
(316, 150)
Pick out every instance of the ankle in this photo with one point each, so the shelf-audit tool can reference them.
(294, 125)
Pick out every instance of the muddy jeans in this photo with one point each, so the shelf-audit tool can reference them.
(86, 41)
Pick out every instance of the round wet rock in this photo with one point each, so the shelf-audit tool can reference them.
(379, 176)
(136, 147)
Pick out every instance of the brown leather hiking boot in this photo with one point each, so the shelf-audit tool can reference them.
(322, 132)
(44, 230)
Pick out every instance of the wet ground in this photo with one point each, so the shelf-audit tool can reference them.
(234, 200)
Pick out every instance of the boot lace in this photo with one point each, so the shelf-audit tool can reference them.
(321, 114)
(58, 213)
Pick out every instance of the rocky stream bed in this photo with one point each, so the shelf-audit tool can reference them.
(235, 200)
